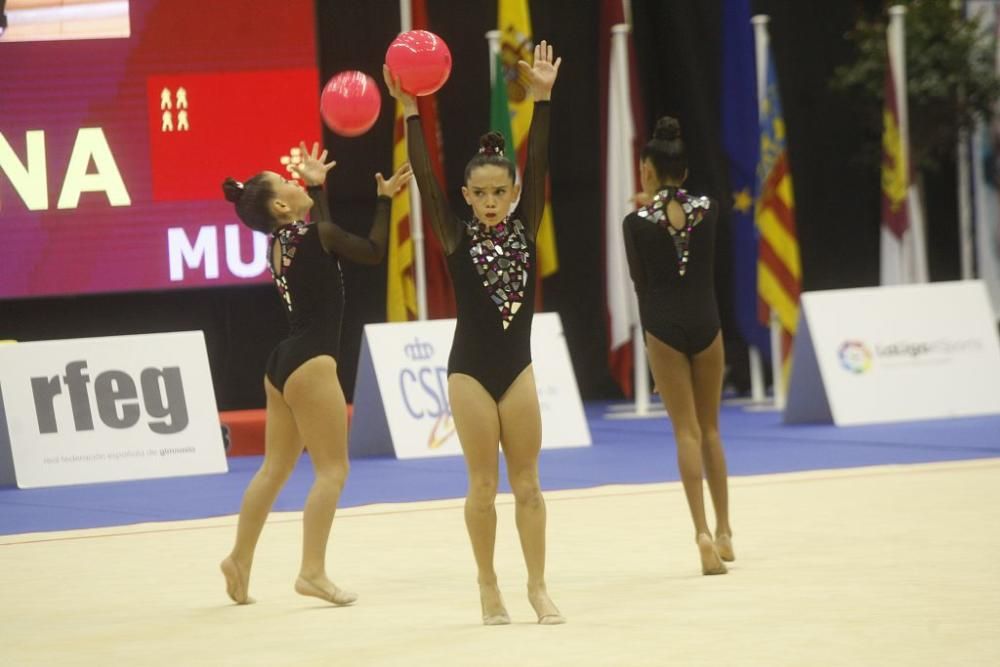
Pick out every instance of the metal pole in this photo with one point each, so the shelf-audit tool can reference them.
(416, 210)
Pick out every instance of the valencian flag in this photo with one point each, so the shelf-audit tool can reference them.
(779, 271)
(401, 292)
(514, 23)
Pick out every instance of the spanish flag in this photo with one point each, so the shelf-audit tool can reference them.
(514, 22)
(779, 271)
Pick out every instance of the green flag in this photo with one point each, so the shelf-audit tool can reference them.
(499, 113)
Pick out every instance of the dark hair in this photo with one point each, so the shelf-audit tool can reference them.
(251, 200)
(666, 149)
(490, 152)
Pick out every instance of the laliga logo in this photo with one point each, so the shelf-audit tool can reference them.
(855, 356)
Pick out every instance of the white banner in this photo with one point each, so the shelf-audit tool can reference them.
(108, 409)
(898, 353)
(401, 395)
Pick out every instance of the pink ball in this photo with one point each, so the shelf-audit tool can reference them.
(350, 103)
(421, 60)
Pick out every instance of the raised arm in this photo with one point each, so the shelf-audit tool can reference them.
(541, 76)
(442, 220)
(336, 239)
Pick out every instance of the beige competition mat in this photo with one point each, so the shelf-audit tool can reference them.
(894, 565)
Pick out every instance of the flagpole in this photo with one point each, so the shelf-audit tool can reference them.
(640, 381)
(416, 211)
(493, 40)
(761, 40)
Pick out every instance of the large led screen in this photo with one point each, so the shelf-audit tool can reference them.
(118, 122)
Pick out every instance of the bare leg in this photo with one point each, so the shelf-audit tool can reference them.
(281, 452)
(478, 427)
(707, 370)
(521, 437)
(313, 392)
(672, 373)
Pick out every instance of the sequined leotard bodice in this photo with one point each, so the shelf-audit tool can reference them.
(673, 269)
(309, 280)
(492, 269)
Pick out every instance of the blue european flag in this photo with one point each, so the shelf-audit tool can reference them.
(741, 138)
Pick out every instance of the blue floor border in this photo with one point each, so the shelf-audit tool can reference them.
(625, 451)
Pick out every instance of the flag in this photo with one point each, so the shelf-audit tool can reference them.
(499, 114)
(902, 253)
(740, 138)
(514, 21)
(401, 292)
(621, 117)
(779, 272)
(400, 284)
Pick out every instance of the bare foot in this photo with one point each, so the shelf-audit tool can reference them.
(494, 612)
(324, 589)
(724, 545)
(236, 581)
(710, 561)
(547, 612)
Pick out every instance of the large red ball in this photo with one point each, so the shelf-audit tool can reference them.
(421, 60)
(350, 103)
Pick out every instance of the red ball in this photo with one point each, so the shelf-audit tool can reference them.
(350, 103)
(421, 60)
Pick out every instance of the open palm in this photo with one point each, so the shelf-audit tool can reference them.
(542, 74)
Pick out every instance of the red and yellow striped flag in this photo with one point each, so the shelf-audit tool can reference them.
(779, 270)
(514, 21)
(401, 293)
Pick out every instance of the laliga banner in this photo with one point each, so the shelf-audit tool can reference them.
(899, 353)
(401, 394)
(107, 409)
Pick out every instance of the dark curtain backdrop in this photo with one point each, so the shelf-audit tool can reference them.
(677, 42)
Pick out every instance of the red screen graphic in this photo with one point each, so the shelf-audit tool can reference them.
(112, 151)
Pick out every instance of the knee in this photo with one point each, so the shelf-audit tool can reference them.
(482, 490)
(710, 435)
(275, 474)
(527, 492)
(333, 475)
(688, 436)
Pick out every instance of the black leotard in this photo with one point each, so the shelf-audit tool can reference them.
(492, 269)
(311, 284)
(673, 270)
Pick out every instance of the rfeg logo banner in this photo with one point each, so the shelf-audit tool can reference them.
(113, 408)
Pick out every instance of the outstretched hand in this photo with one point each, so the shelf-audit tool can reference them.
(396, 91)
(542, 74)
(313, 168)
(397, 182)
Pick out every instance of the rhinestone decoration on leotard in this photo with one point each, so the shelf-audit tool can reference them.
(289, 238)
(694, 208)
(500, 255)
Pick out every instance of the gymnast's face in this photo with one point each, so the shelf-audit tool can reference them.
(491, 193)
(291, 201)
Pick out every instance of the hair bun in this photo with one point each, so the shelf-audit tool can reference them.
(667, 129)
(492, 143)
(233, 190)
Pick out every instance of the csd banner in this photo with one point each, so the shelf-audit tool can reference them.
(107, 409)
(899, 353)
(401, 394)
